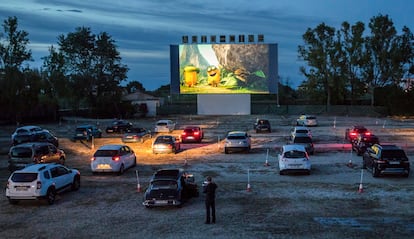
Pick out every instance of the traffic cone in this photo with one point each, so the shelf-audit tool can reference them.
(266, 163)
(139, 187)
(249, 189)
(360, 189)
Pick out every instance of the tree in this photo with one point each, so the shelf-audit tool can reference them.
(320, 51)
(13, 53)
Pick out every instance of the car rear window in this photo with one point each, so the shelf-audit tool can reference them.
(24, 177)
(303, 131)
(164, 184)
(311, 117)
(302, 140)
(105, 153)
(236, 137)
(162, 124)
(389, 154)
(21, 152)
(295, 154)
(163, 140)
(189, 130)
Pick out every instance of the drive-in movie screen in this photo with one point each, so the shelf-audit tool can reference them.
(227, 68)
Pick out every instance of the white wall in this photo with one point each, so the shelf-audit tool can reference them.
(223, 104)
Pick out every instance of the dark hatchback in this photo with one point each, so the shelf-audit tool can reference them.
(262, 125)
(39, 136)
(119, 126)
(386, 159)
(170, 187)
(136, 135)
(87, 132)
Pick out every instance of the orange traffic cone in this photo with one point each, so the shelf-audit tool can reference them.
(360, 189)
(139, 187)
(249, 189)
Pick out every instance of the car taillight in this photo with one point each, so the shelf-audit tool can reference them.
(7, 185)
(93, 158)
(38, 185)
(183, 133)
(352, 134)
(170, 146)
(367, 133)
(196, 133)
(135, 136)
(116, 158)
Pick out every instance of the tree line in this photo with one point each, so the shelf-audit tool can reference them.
(85, 70)
(347, 63)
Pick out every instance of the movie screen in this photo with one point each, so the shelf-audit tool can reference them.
(227, 68)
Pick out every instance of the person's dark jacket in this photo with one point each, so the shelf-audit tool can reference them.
(210, 191)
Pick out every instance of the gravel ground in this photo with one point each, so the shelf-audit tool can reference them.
(325, 204)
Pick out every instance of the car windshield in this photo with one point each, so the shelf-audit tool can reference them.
(302, 140)
(21, 152)
(390, 154)
(105, 153)
(164, 184)
(24, 177)
(295, 154)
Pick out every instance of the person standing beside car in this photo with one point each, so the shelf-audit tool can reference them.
(210, 191)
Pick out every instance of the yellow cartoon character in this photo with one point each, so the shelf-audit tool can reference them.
(190, 75)
(213, 76)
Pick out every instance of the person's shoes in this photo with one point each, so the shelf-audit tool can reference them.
(207, 222)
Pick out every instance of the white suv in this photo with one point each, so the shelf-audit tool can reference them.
(41, 181)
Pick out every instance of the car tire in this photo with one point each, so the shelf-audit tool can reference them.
(51, 196)
(121, 169)
(226, 151)
(134, 164)
(76, 184)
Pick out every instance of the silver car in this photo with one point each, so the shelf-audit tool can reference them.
(113, 158)
(237, 141)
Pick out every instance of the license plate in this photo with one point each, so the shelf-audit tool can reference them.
(294, 165)
(161, 202)
(104, 166)
(394, 162)
(21, 188)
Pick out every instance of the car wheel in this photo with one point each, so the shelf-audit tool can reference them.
(13, 201)
(76, 183)
(281, 173)
(134, 164)
(375, 171)
(121, 170)
(51, 196)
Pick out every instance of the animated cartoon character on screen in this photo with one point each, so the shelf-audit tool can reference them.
(191, 75)
(213, 76)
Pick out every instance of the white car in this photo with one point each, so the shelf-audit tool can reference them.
(164, 126)
(113, 158)
(28, 129)
(307, 120)
(41, 181)
(237, 141)
(294, 158)
(300, 130)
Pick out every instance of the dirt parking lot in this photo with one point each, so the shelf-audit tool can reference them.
(325, 204)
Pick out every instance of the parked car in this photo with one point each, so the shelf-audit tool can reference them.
(25, 154)
(41, 181)
(192, 134)
(307, 120)
(352, 134)
(363, 142)
(166, 144)
(86, 132)
(113, 158)
(119, 126)
(28, 129)
(305, 140)
(164, 126)
(262, 125)
(237, 141)
(136, 135)
(300, 130)
(294, 158)
(170, 187)
(386, 159)
(38, 136)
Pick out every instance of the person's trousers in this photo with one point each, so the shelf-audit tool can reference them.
(210, 205)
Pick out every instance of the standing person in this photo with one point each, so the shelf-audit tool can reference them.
(210, 191)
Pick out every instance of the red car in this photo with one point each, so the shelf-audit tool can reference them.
(192, 134)
(353, 133)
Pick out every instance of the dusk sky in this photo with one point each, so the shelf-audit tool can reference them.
(143, 30)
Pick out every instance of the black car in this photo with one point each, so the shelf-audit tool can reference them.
(136, 135)
(262, 125)
(363, 142)
(38, 136)
(170, 187)
(352, 134)
(386, 159)
(87, 132)
(119, 126)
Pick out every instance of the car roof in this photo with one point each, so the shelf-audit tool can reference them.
(34, 168)
(29, 127)
(297, 147)
(111, 146)
(32, 144)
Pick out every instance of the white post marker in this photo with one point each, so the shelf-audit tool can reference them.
(138, 184)
(360, 188)
(248, 180)
(267, 156)
(334, 123)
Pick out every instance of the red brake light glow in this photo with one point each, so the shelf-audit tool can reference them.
(116, 158)
(93, 158)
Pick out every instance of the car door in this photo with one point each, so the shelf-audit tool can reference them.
(60, 176)
(127, 156)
